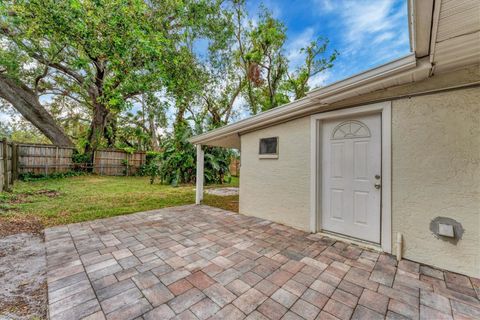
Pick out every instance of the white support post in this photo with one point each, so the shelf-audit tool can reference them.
(200, 163)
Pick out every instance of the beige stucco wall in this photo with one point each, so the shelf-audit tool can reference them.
(436, 172)
(277, 189)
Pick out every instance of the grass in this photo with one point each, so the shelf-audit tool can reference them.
(68, 200)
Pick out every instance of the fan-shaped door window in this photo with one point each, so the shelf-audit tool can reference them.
(350, 129)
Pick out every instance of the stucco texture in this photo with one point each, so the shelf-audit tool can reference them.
(278, 189)
(436, 172)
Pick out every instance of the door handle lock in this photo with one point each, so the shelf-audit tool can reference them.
(377, 185)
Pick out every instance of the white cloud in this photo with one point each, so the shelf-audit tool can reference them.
(8, 116)
(274, 8)
(295, 57)
(4, 117)
(241, 109)
(254, 10)
(366, 18)
(384, 37)
(363, 21)
(325, 5)
(319, 80)
(367, 32)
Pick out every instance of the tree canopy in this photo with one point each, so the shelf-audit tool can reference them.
(138, 74)
(100, 54)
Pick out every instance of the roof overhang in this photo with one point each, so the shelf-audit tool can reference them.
(455, 35)
(404, 70)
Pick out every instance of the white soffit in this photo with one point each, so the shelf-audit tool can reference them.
(456, 38)
(458, 17)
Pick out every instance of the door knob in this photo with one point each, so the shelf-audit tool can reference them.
(377, 185)
(377, 176)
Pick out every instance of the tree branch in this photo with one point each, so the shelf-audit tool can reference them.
(25, 101)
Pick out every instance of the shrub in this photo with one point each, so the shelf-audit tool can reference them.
(152, 166)
(176, 164)
(81, 157)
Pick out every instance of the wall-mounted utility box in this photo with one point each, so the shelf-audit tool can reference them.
(446, 230)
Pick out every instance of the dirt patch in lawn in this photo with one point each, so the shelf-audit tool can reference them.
(11, 225)
(23, 197)
(23, 277)
(18, 198)
(47, 193)
(229, 203)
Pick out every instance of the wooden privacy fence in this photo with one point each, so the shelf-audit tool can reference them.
(234, 166)
(45, 159)
(117, 162)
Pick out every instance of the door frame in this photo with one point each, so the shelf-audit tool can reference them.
(316, 120)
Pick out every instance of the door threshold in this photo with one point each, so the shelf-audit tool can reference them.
(361, 243)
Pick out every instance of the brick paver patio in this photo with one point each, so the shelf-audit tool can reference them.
(199, 262)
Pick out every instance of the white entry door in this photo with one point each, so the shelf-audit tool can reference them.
(351, 169)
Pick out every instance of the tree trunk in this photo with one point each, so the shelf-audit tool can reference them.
(97, 128)
(25, 101)
(101, 114)
(111, 130)
(154, 145)
(180, 114)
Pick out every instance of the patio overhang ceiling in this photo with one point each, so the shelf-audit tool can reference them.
(444, 35)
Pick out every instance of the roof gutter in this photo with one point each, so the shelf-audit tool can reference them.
(420, 19)
(379, 73)
(259, 119)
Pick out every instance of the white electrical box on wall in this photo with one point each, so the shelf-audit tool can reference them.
(446, 230)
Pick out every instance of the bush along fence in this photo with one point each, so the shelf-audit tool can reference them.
(17, 160)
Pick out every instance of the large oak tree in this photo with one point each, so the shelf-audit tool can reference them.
(100, 53)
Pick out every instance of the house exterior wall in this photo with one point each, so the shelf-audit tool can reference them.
(277, 189)
(436, 172)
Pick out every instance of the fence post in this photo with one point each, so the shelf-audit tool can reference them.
(93, 163)
(128, 156)
(56, 159)
(14, 162)
(6, 186)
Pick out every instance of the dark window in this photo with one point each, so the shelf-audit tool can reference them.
(269, 145)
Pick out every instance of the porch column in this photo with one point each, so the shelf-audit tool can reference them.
(199, 189)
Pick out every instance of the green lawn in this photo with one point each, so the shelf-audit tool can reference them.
(75, 199)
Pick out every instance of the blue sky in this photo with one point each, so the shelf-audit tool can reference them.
(366, 33)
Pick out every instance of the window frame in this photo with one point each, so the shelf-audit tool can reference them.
(268, 155)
